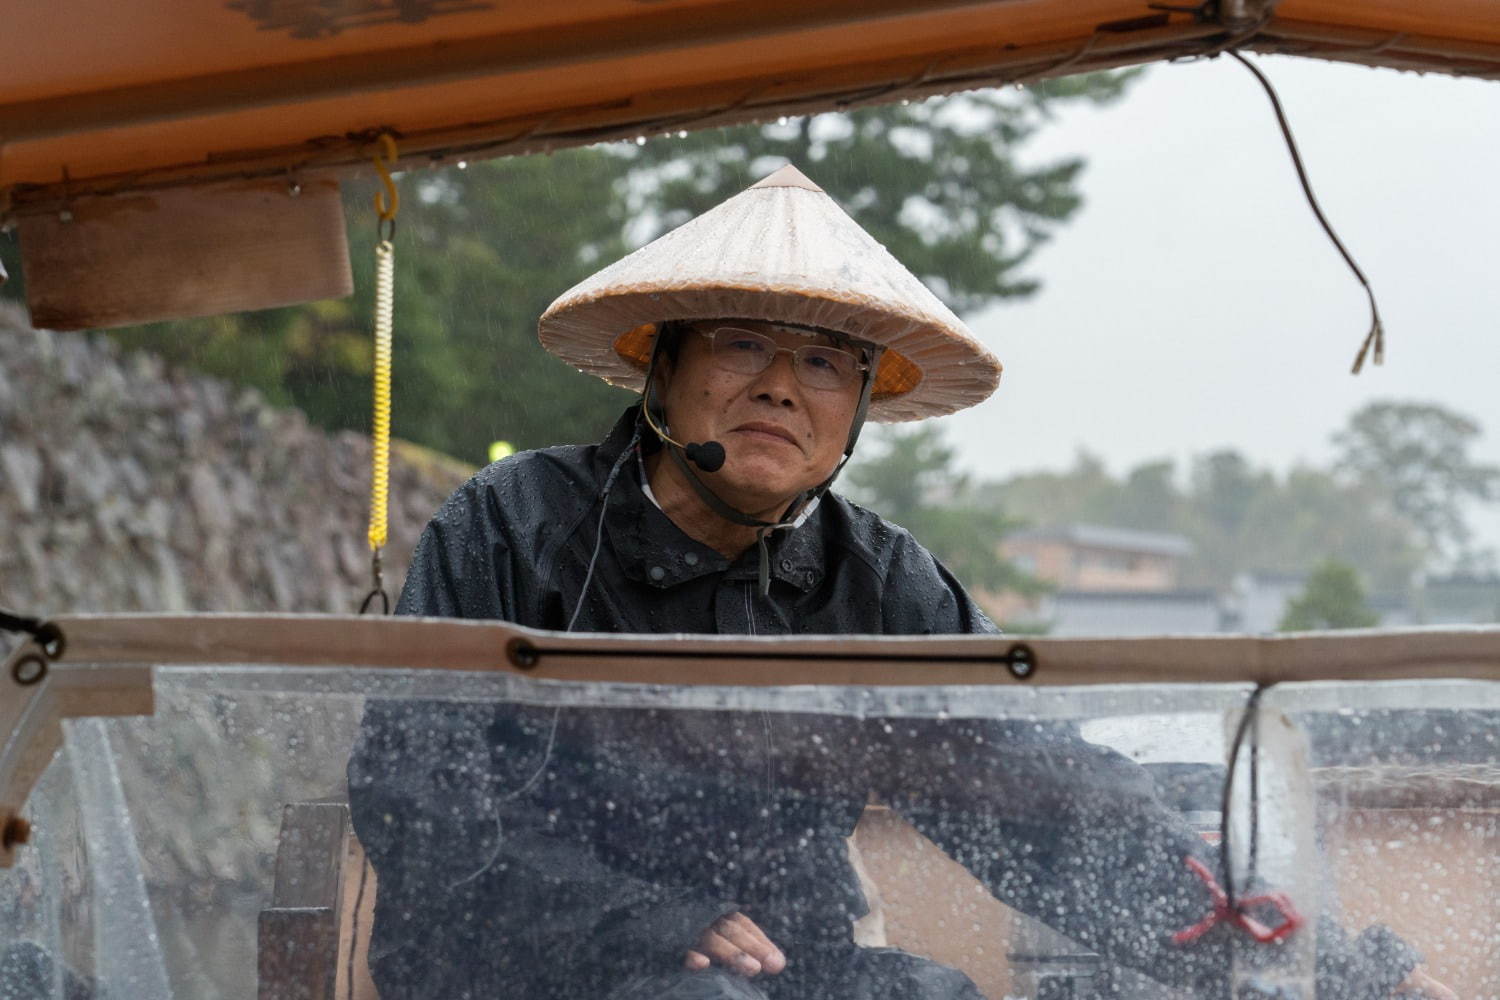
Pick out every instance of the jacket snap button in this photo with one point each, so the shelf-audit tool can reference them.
(786, 565)
(657, 573)
(691, 558)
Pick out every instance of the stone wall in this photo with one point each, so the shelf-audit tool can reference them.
(126, 485)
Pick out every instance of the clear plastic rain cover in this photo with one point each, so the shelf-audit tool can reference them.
(292, 832)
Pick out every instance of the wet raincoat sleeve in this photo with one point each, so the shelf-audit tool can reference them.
(922, 597)
(1074, 835)
(462, 564)
(478, 881)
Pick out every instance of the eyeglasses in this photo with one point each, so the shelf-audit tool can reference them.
(746, 352)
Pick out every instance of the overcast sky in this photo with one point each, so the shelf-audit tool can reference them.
(1194, 303)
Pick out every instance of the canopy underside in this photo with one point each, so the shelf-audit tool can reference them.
(108, 96)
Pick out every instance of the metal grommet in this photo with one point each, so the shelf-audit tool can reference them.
(50, 638)
(29, 670)
(1020, 660)
(523, 655)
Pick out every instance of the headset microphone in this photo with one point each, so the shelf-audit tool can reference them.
(708, 456)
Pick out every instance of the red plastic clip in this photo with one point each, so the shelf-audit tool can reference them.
(1290, 918)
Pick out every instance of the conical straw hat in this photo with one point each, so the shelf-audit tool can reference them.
(780, 251)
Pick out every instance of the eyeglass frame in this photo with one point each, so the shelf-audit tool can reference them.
(864, 354)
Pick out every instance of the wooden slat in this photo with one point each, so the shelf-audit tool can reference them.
(298, 949)
(310, 855)
(438, 644)
(114, 261)
(299, 932)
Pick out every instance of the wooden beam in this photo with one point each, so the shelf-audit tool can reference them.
(644, 30)
(126, 259)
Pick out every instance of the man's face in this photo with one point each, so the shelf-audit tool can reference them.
(780, 435)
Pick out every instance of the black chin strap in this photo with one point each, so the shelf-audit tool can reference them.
(719, 506)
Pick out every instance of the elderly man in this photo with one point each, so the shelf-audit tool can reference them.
(667, 855)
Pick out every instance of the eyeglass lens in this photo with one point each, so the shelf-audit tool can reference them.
(749, 353)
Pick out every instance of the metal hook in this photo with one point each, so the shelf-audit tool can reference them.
(377, 578)
(388, 201)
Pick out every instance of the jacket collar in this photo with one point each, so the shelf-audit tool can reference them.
(651, 548)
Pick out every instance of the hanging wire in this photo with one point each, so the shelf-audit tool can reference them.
(387, 203)
(1249, 725)
(1374, 342)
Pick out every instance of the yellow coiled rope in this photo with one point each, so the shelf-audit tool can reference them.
(387, 202)
(380, 455)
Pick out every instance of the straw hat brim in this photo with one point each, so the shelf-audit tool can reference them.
(782, 252)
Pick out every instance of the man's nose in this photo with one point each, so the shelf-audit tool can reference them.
(777, 382)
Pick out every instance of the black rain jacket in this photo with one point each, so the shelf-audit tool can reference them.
(550, 853)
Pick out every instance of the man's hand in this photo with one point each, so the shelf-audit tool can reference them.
(734, 942)
(1420, 984)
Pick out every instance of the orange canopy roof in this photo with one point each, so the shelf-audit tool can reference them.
(100, 96)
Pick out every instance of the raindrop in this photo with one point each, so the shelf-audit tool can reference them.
(463, 164)
(640, 140)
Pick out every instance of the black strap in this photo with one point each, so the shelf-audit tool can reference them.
(47, 635)
(12, 622)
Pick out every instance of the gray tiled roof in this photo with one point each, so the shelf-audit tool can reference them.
(1121, 539)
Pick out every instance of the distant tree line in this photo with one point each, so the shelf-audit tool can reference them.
(1394, 501)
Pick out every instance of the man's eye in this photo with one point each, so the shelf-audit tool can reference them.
(829, 362)
(746, 346)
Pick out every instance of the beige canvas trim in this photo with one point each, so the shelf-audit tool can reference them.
(127, 640)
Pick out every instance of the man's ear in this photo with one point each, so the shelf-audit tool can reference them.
(661, 377)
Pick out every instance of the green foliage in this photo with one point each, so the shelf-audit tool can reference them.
(935, 181)
(481, 252)
(1415, 458)
(911, 481)
(1333, 598)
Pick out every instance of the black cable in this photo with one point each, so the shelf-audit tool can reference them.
(1253, 855)
(609, 485)
(46, 634)
(1376, 337)
(12, 622)
(359, 898)
(1226, 863)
